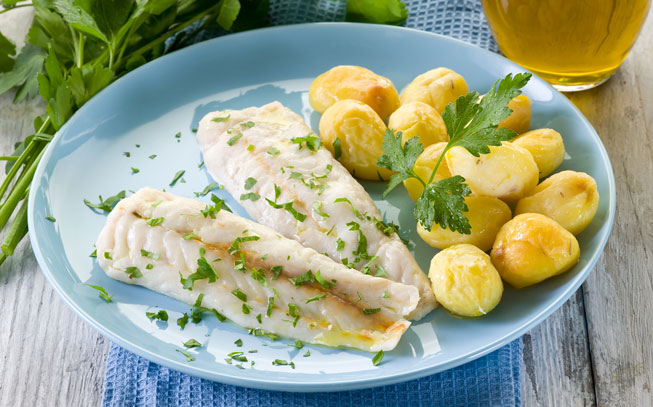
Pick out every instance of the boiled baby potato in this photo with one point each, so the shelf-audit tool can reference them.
(531, 248)
(568, 197)
(546, 147)
(417, 119)
(437, 87)
(424, 166)
(359, 131)
(464, 281)
(519, 120)
(353, 82)
(486, 215)
(508, 172)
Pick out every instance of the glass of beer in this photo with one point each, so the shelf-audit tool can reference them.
(572, 44)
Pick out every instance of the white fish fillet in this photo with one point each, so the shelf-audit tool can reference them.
(358, 311)
(257, 143)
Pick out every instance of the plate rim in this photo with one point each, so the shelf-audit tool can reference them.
(327, 385)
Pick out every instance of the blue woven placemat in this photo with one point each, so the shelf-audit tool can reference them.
(493, 380)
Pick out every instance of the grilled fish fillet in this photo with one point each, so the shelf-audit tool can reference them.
(264, 156)
(338, 308)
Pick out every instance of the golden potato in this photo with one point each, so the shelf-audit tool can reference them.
(437, 87)
(507, 172)
(546, 147)
(531, 248)
(424, 166)
(486, 215)
(353, 82)
(417, 119)
(519, 120)
(569, 197)
(360, 131)
(464, 281)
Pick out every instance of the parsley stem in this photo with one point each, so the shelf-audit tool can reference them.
(437, 164)
(16, 232)
(80, 51)
(168, 34)
(16, 167)
(8, 158)
(19, 190)
(12, 8)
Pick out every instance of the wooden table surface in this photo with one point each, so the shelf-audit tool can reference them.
(597, 349)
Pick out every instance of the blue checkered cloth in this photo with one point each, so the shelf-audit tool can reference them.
(493, 380)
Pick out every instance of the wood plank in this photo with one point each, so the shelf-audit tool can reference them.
(557, 369)
(619, 293)
(49, 356)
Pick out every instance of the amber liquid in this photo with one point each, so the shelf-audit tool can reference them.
(574, 44)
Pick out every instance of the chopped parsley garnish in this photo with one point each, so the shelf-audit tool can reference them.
(239, 294)
(340, 244)
(313, 143)
(107, 256)
(273, 151)
(246, 309)
(307, 354)
(221, 119)
(239, 264)
(387, 229)
(177, 177)
(322, 281)
(192, 343)
(298, 344)
(239, 356)
(280, 362)
(102, 292)
(157, 203)
(183, 321)
(307, 277)
(356, 212)
(189, 357)
(250, 147)
(376, 360)
(235, 246)
(178, 135)
(380, 271)
(252, 196)
(327, 171)
(127, 154)
(106, 204)
(361, 250)
(204, 271)
(233, 139)
(238, 342)
(317, 207)
(94, 254)
(316, 298)
(153, 256)
(211, 211)
(191, 235)
(213, 185)
(135, 170)
(330, 230)
(155, 221)
(50, 218)
(197, 311)
(249, 183)
(259, 275)
(161, 315)
(149, 266)
(268, 312)
(369, 311)
(133, 272)
(259, 318)
(152, 157)
(248, 124)
(293, 311)
(276, 271)
(288, 206)
(385, 294)
(337, 149)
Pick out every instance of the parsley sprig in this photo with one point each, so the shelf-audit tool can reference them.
(471, 123)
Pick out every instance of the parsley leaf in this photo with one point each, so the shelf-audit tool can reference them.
(273, 151)
(337, 149)
(133, 272)
(161, 315)
(399, 158)
(252, 196)
(317, 208)
(443, 202)
(249, 183)
(102, 292)
(221, 119)
(213, 185)
(313, 143)
(376, 360)
(153, 256)
(106, 204)
(192, 343)
(177, 176)
(316, 298)
(183, 321)
(155, 221)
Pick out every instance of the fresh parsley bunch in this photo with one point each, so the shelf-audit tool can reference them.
(471, 123)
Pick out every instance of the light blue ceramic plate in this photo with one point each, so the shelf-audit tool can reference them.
(150, 105)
